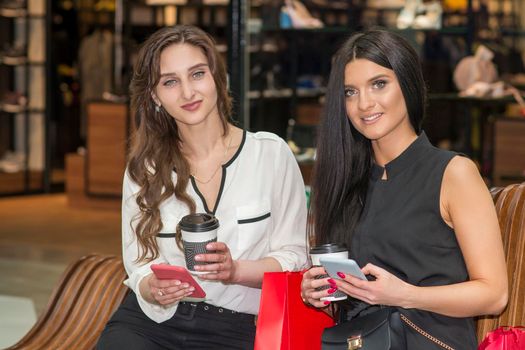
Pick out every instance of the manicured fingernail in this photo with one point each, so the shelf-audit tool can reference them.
(192, 289)
(331, 281)
(340, 274)
(332, 290)
(327, 302)
(209, 247)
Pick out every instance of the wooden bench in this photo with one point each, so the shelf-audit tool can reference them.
(88, 293)
(510, 206)
(91, 288)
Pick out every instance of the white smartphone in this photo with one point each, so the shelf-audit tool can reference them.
(346, 266)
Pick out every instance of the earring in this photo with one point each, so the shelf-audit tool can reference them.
(157, 108)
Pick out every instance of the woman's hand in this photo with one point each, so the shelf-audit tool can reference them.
(386, 289)
(221, 266)
(164, 292)
(311, 296)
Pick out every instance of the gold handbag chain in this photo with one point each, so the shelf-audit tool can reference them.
(425, 334)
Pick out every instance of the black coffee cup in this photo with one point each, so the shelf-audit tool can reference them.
(197, 231)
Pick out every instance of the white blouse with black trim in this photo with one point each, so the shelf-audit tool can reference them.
(261, 209)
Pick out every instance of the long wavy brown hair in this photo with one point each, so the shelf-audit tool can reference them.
(156, 143)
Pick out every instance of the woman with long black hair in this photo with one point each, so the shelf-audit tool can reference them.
(418, 220)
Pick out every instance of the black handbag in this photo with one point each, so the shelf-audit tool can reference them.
(378, 330)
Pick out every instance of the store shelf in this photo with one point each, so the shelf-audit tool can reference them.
(442, 31)
(456, 97)
(24, 98)
(345, 30)
(13, 13)
(302, 31)
(191, 5)
(22, 62)
(11, 183)
(512, 32)
(286, 93)
(13, 60)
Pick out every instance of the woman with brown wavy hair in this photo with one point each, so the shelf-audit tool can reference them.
(187, 157)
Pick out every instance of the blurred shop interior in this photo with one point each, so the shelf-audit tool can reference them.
(66, 65)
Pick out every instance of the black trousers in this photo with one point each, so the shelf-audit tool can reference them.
(194, 326)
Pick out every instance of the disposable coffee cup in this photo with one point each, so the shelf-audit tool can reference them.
(328, 250)
(197, 231)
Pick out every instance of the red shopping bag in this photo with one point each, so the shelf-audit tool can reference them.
(504, 338)
(284, 321)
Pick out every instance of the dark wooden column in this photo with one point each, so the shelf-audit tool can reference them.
(238, 60)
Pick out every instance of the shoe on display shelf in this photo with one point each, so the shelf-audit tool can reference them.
(310, 85)
(115, 98)
(13, 102)
(498, 89)
(418, 15)
(478, 67)
(306, 155)
(13, 55)
(13, 8)
(12, 162)
(295, 14)
(456, 5)
(408, 14)
(430, 17)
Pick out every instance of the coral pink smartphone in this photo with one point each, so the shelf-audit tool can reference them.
(170, 272)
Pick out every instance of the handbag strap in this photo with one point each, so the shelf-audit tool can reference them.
(425, 334)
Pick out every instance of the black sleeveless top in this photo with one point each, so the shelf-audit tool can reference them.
(402, 231)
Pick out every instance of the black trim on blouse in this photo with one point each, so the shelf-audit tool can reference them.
(259, 218)
(223, 180)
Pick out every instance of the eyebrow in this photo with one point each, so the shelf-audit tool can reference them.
(379, 76)
(198, 65)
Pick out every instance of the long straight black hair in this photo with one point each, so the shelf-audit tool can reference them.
(344, 155)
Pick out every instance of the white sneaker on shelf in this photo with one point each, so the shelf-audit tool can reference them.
(432, 17)
(13, 102)
(408, 14)
(300, 16)
(12, 162)
(308, 155)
